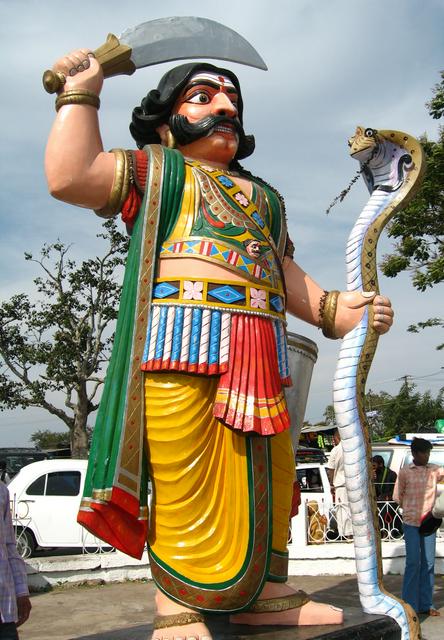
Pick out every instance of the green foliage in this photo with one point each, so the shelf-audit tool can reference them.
(329, 416)
(407, 411)
(45, 439)
(436, 104)
(431, 322)
(419, 228)
(410, 411)
(57, 345)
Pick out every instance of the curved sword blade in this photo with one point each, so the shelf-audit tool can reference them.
(183, 37)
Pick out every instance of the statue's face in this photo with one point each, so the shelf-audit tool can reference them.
(208, 94)
(254, 248)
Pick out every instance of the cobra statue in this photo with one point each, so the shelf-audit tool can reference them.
(392, 164)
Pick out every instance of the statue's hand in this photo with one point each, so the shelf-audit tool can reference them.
(81, 71)
(351, 309)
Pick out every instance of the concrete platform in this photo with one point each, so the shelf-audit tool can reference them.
(125, 612)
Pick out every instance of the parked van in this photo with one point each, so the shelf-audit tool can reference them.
(45, 498)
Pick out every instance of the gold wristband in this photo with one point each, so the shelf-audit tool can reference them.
(121, 184)
(329, 315)
(77, 96)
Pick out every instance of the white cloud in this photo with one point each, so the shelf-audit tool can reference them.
(332, 65)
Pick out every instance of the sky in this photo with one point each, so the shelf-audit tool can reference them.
(332, 64)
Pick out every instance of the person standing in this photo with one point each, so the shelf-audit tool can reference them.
(384, 479)
(415, 491)
(15, 605)
(336, 477)
(4, 475)
(384, 482)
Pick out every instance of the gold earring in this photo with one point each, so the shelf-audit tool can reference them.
(170, 140)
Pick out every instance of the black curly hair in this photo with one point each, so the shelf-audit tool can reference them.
(155, 109)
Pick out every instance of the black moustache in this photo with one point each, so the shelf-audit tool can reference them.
(186, 132)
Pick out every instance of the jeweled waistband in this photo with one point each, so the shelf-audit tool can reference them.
(219, 252)
(220, 294)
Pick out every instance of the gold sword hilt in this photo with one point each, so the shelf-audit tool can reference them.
(113, 56)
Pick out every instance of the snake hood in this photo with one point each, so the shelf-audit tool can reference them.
(384, 156)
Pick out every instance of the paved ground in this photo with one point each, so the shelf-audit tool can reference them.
(125, 611)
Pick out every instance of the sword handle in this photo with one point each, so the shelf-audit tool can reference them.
(113, 56)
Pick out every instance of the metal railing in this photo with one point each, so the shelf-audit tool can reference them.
(333, 524)
(323, 524)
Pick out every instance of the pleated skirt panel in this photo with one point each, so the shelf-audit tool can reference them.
(220, 515)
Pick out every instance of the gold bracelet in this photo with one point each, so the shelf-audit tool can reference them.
(322, 300)
(121, 184)
(329, 315)
(77, 96)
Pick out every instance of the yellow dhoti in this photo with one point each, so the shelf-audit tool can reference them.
(221, 499)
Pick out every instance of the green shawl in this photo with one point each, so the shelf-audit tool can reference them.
(114, 505)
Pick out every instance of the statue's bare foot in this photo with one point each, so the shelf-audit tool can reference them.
(308, 613)
(175, 622)
(196, 631)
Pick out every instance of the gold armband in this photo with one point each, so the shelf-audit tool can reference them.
(121, 184)
(327, 313)
(77, 96)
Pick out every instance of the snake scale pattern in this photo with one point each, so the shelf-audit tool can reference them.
(392, 164)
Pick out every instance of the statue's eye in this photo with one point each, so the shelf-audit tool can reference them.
(199, 98)
(370, 133)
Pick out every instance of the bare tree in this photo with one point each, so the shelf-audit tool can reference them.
(59, 344)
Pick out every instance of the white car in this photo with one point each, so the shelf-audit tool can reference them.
(45, 498)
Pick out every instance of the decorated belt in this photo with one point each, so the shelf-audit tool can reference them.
(218, 252)
(223, 294)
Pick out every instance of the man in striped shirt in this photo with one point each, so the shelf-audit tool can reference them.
(415, 491)
(15, 605)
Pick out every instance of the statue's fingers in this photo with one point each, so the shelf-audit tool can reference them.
(86, 55)
(382, 322)
(356, 299)
(77, 64)
(71, 60)
(380, 327)
(382, 301)
(384, 311)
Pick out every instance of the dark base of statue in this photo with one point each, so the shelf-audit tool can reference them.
(356, 626)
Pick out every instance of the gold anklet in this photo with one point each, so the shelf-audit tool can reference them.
(177, 620)
(274, 605)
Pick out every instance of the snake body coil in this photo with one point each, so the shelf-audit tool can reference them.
(392, 165)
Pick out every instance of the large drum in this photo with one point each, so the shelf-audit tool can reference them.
(302, 353)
